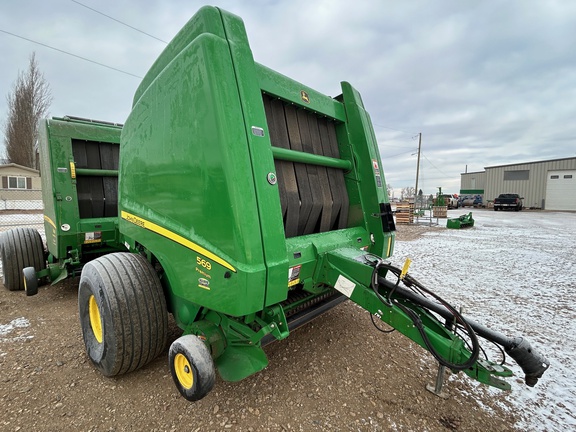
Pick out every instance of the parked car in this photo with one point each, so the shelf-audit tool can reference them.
(472, 201)
(508, 201)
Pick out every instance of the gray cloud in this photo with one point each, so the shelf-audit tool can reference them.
(486, 82)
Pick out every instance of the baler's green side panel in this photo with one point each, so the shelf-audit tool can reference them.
(187, 190)
(369, 171)
(59, 192)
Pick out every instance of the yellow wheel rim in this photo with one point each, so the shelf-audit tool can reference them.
(95, 320)
(183, 371)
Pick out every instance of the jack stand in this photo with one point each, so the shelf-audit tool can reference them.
(437, 387)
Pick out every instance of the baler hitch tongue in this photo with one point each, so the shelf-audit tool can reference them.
(533, 363)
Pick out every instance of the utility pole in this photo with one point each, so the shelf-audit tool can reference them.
(418, 166)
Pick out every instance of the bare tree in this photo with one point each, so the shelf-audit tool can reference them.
(27, 104)
(407, 192)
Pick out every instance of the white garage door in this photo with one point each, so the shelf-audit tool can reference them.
(561, 190)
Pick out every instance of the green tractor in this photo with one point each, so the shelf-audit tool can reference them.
(238, 200)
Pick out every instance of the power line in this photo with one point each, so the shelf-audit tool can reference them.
(437, 169)
(70, 54)
(386, 127)
(399, 154)
(118, 21)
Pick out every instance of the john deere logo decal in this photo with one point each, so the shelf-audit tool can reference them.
(304, 96)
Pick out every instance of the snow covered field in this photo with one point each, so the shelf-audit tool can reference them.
(515, 273)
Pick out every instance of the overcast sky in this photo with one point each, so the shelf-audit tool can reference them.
(485, 82)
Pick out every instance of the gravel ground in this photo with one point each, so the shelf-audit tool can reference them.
(336, 373)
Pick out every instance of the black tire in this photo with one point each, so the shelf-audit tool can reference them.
(192, 367)
(30, 281)
(20, 248)
(123, 313)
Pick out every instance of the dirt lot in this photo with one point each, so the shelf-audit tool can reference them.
(337, 373)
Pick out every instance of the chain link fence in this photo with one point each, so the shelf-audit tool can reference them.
(21, 208)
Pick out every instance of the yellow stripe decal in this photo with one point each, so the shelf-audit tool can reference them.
(174, 237)
(389, 247)
(50, 221)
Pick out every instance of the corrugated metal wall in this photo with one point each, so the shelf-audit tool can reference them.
(472, 182)
(533, 190)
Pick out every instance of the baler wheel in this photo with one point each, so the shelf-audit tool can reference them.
(123, 313)
(192, 367)
(20, 248)
(30, 281)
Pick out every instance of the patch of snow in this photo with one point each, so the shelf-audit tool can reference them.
(514, 272)
(14, 325)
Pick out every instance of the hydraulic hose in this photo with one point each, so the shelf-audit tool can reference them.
(532, 362)
(377, 281)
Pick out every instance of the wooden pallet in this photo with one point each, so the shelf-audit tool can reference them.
(405, 213)
(440, 211)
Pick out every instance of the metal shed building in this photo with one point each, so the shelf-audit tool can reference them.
(549, 185)
(473, 183)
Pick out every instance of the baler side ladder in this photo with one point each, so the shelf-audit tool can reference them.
(400, 302)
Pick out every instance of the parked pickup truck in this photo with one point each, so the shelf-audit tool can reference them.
(508, 202)
(450, 201)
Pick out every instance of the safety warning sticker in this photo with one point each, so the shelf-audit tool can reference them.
(92, 237)
(294, 275)
(377, 172)
(376, 167)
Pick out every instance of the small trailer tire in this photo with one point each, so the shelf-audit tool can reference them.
(30, 281)
(20, 248)
(192, 367)
(123, 313)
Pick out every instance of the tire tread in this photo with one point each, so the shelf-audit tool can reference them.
(137, 306)
(21, 247)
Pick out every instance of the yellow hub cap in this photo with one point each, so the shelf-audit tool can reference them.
(183, 371)
(95, 320)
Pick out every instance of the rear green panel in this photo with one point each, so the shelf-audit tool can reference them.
(80, 204)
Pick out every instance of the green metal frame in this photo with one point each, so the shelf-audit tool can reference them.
(349, 271)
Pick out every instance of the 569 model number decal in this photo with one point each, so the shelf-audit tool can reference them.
(203, 263)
